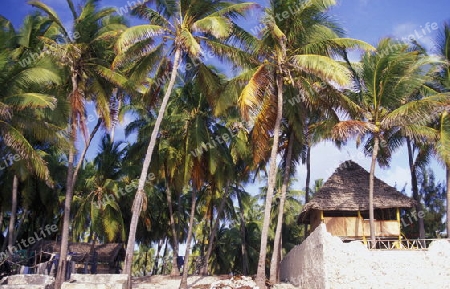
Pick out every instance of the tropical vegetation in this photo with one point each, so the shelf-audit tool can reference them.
(151, 135)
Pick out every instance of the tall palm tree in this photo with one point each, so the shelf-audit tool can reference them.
(184, 27)
(86, 54)
(388, 78)
(287, 59)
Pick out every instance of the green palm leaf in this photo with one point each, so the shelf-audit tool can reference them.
(14, 139)
(189, 43)
(323, 67)
(51, 14)
(443, 145)
(31, 100)
(135, 34)
(218, 26)
(425, 111)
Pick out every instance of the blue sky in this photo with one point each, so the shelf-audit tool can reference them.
(362, 19)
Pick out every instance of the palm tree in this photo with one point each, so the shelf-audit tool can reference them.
(99, 208)
(184, 26)
(23, 99)
(86, 54)
(288, 50)
(444, 123)
(388, 78)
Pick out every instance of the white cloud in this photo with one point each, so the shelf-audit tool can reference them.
(397, 176)
(423, 33)
(404, 30)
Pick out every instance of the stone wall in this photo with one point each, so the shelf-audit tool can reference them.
(325, 262)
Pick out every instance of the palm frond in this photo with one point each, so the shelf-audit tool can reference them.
(189, 43)
(344, 130)
(254, 92)
(322, 66)
(443, 145)
(151, 15)
(218, 26)
(31, 100)
(135, 34)
(51, 14)
(17, 142)
(425, 111)
(33, 76)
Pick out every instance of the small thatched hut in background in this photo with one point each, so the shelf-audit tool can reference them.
(88, 258)
(343, 205)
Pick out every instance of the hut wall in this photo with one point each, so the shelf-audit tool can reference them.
(339, 265)
(315, 219)
(354, 227)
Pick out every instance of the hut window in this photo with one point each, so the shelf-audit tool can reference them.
(340, 214)
(381, 214)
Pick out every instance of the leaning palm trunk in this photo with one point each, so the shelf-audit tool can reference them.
(277, 242)
(204, 269)
(12, 220)
(371, 188)
(183, 282)
(139, 197)
(261, 270)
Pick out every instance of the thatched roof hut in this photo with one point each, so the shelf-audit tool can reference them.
(346, 194)
(105, 253)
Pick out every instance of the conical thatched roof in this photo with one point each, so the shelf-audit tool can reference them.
(348, 190)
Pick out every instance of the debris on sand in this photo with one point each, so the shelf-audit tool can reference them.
(236, 282)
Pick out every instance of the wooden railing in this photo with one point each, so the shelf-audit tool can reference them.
(403, 244)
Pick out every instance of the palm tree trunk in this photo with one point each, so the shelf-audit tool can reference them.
(1, 219)
(261, 269)
(244, 253)
(183, 282)
(204, 269)
(175, 247)
(164, 265)
(448, 200)
(308, 180)
(158, 251)
(60, 275)
(61, 272)
(12, 220)
(19, 224)
(371, 188)
(415, 187)
(139, 197)
(277, 242)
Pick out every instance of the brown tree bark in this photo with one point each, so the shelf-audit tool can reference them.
(12, 220)
(183, 282)
(371, 188)
(261, 269)
(139, 197)
(274, 263)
